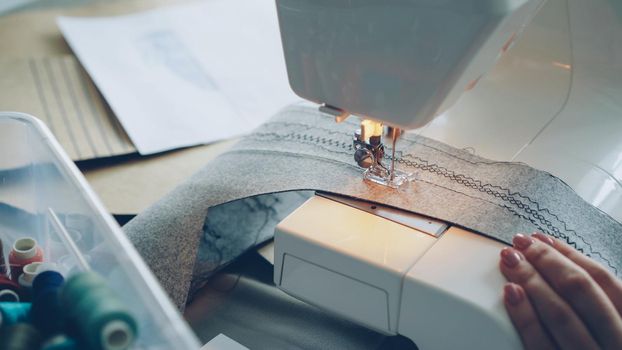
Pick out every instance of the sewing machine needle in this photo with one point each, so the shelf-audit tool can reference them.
(395, 133)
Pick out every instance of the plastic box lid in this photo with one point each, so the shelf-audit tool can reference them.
(43, 195)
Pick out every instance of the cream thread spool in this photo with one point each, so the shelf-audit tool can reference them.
(29, 272)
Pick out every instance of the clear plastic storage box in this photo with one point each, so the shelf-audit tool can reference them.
(43, 195)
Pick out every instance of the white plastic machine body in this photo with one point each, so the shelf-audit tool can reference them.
(436, 285)
(401, 62)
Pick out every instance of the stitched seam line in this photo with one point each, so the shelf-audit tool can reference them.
(325, 142)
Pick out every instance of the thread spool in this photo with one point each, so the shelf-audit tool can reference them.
(97, 314)
(107, 325)
(12, 313)
(47, 280)
(29, 272)
(76, 285)
(47, 266)
(60, 342)
(20, 336)
(25, 251)
(7, 286)
(2, 260)
(7, 295)
(47, 313)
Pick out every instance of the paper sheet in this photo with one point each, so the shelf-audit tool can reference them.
(186, 75)
(58, 91)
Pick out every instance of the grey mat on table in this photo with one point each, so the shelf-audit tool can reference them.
(302, 149)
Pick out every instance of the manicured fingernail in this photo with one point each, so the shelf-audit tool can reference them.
(513, 294)
(522, 242)
(510, 257)
(544, 238)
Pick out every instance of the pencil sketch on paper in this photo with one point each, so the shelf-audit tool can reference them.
(165, 48)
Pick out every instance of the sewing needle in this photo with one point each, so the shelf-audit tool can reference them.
(395, 133)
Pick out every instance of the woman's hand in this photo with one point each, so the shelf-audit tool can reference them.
(558, 298)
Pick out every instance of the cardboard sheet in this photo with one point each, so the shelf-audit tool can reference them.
(58, 91)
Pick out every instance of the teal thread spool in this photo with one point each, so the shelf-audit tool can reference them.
(96, 313)
(20, 336)
(103, 316)
(75, 286)
(12, 313)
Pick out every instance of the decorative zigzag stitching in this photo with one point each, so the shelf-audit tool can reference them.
(508, 196)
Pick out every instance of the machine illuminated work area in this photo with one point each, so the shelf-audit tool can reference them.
(401, 64)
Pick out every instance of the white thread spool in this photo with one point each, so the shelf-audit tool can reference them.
(28, 275)
(8, 295)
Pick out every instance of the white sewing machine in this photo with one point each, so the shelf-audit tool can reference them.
(402, 63)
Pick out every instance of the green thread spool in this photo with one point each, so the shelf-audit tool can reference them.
(75, 286)
(20, 336)
(12, 313)
(102, 316)
(96, 313)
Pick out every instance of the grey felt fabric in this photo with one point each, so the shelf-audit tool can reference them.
(301, 148)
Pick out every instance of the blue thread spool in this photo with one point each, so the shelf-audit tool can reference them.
(96, 313)
(20, 336)
(60, 342)
(47, 313)
(47, 280)
(12, 313)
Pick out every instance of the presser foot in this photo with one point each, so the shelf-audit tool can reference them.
(382, 176)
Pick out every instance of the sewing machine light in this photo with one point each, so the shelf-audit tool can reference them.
(371, 128)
